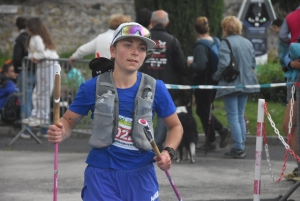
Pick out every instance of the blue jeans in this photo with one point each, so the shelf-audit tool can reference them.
(160, 133)
(235, 107)
(26, 86)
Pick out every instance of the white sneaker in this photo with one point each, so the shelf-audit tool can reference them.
(28, 120)
(39, 134)
(25, 136)
(34, 123)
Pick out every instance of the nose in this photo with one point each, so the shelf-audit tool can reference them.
(135, 51)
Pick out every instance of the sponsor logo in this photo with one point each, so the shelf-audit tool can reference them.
(155, 196)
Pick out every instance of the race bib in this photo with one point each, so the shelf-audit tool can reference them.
(123, 138)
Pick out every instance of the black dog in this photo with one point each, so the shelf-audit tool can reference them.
(190, 136)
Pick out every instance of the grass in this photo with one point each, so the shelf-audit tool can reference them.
(276, 111)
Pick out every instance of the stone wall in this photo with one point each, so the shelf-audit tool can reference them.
(72, 23)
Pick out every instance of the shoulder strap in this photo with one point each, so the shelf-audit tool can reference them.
(228, 44)
(147, 87)
(106, 82)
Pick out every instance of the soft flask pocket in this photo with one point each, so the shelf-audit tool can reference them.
(103, 122)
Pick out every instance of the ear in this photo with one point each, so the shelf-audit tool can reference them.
(167, 23)
(113, 51)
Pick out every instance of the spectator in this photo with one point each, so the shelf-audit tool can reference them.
(100, 44)
(289, 33)
(290, 29)
(19, 52)
(72, 81)
(143, 17)
(235, 99)
(282, 48)
(7, 85)
(294, 69)
(167, 64)
(40, 47)
(115, 158)
(202, 67)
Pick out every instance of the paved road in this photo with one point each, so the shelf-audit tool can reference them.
(26, 172)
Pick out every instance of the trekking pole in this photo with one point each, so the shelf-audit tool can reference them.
(56, 121)
(149, 136)
(208, 129)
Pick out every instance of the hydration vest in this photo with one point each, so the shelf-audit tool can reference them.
(106, 112)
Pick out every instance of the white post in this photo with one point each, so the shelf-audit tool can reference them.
(258, 150)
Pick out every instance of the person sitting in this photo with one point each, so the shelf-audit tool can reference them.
(7, 82)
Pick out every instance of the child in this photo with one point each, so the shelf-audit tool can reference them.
(40, 46)
(121, 159)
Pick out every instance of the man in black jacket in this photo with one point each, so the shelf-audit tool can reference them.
(167, 64)
(19, 52)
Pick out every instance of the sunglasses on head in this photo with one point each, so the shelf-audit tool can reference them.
(8, 61)
(133, 29)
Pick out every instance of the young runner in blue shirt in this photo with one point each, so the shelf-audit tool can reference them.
(121, 171)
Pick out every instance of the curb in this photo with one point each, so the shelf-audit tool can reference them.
(251, 139)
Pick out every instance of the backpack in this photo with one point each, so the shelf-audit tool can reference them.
(11, 109)
(214, 51)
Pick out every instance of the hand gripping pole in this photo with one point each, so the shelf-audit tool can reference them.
(149, 136)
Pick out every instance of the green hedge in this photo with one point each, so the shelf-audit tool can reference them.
(267, 74)
(182, 15)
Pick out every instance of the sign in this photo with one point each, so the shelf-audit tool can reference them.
(9, 9)
(256, 16)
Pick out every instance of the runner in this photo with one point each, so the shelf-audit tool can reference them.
(120, 164)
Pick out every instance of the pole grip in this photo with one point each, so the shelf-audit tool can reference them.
(155, 148)
(57, 70)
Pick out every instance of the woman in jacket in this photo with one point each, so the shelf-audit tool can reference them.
(235, 99)
(202, 67)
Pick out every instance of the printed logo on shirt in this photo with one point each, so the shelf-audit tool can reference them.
(159, 58)
(123, 138)
(155, 196)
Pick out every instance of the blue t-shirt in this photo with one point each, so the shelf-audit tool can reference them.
(10, 87)
(114, 156)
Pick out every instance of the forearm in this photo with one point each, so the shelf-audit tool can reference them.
(295, 64)
(86, 49)
(67, 127)
(69, 121)
(174, 137)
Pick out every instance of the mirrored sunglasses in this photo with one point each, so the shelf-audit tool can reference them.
(133, 29)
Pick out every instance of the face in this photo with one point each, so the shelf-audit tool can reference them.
(276, 29)
(11, 73)
(129, 54)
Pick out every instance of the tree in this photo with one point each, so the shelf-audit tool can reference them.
(182, 15)
(285, 7)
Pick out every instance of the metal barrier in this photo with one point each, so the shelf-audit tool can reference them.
(36, 87)
(37, 84)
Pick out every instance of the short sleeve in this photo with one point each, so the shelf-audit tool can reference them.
(84, 100)
(163, 103)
